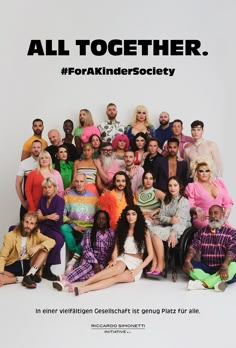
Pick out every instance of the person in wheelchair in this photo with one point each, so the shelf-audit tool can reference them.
(216, 246)
(174, 218)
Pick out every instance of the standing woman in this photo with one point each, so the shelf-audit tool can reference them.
(120, 144)
(96, 142)
(68, 127)
(87, 166)
(132, 253)
(50, 216)
(140, 148)
(33, 187)
(174, 218)
(63, 165)
(140, 123)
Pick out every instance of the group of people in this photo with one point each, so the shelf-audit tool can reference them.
(114, 194)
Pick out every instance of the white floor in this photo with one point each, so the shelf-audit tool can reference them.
(160, 309)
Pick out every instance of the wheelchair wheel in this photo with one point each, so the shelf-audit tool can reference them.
(185, 242)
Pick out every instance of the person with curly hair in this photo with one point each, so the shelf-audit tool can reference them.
(132, 253)
(206, 191)
(118, 198)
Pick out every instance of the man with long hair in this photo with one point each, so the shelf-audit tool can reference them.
(118, 198)
(24, 251)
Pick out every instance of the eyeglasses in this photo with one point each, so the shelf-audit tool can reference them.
(203, 171)
(107, 150)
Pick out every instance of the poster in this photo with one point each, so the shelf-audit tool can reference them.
(189, 86)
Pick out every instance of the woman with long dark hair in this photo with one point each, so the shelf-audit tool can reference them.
(133, 241)
(63, 165)
(174, 218)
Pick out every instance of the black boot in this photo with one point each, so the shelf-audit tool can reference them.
(47, 274)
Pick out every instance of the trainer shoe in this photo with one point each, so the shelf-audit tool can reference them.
(28, 282)
(221, 286)
(195, 285)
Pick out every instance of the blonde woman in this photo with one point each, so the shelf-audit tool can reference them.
(206, 191)
(50, 216)
(140, 123)
(33, 187)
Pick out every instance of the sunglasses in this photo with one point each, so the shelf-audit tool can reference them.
(203, 171)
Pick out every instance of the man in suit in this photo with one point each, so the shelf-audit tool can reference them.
(165, 167)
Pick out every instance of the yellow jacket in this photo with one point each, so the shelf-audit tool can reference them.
(11, 248)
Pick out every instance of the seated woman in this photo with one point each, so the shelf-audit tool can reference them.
(174, 218)
(140, 148)
(33, 187)
(205, 191)
(87, 166)
(128, 261)
(140, 123)
(50, 216)
(63, 165)
(97, 244)
(149, 199)
(120, 144)
(85, 129)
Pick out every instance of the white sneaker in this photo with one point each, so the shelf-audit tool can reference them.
(195, 285)
(221, 286)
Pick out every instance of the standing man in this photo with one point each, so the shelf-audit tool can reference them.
(153, 154)
(134, 172)
(165, 167)
(107, 165)
(23, 253)
(164, 131)
(112, 127)
(80, 208)
(202, 147)
(37, 127)
(184, 140)
(215, 244)
(55, 140)
(24, 169)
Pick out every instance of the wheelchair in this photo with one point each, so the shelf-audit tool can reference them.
(175, 256)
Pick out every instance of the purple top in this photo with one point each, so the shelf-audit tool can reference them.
(102, 249)
(214, 246)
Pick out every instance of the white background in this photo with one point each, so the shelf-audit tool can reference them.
(202, 87)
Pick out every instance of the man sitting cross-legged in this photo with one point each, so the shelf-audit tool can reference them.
(23, 253)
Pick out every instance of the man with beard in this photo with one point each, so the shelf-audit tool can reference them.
(164, 131)
(23, 253)
(24, 169)
(107, 165)
(55, 140)
(215, 247)
(37, 127)
(80, 208)
(112, 127)
(118, 198)
(134, 172)
(165, 167)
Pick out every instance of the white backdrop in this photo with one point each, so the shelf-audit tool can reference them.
(201, 88)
